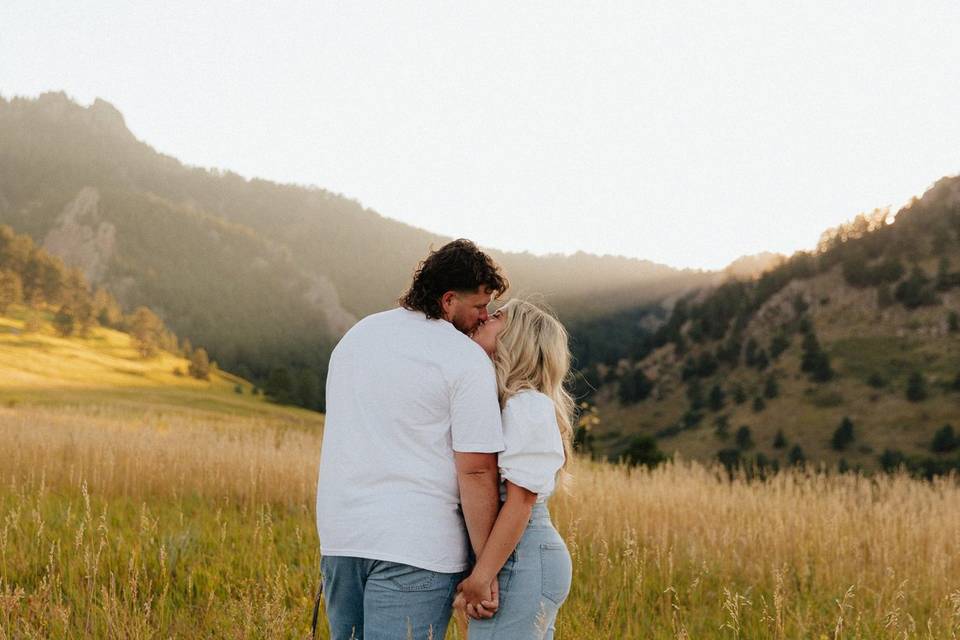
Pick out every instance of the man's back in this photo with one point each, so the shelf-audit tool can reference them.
(403, 393)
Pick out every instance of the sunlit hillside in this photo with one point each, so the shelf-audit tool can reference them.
(40, 368)
(848, 355)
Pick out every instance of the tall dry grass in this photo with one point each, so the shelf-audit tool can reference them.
(180, 524)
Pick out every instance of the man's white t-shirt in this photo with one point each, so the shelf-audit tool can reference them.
(403, 393)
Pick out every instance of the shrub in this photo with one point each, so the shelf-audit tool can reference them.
(796, 456)
(634, 387)
(916, 387)
(891, 459)
(716, 398)
(779, 344)
(876, 381)
(779, 440)
(199, 367)
(695, 394)
(643, 450)
(770, 388)
(944, 440)
(744, 439)
(721, 426)
(740, 396)
(729, 458)
(843, 435)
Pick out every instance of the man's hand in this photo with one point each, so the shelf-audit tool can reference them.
(479, 598)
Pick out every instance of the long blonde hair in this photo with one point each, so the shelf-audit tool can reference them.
(533, 352)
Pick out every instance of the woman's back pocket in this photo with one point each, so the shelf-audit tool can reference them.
(556, 571)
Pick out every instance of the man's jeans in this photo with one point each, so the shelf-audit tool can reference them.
(379, 600)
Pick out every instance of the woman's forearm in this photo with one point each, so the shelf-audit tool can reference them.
(506, 533)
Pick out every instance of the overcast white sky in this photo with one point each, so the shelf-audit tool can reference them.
(684, 132)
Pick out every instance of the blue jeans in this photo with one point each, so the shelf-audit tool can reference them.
(379, 600)
(534, 582)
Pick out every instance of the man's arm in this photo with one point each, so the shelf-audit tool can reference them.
(477, 474)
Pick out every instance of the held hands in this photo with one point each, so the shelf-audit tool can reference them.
(479, 598)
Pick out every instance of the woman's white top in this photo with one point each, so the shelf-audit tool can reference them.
(533, 448)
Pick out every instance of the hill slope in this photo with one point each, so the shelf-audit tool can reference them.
(41, 368)
(262, 274)
(864, 328)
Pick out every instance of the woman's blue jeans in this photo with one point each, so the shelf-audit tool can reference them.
(534, 582)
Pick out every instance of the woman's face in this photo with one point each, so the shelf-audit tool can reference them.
(486, 334)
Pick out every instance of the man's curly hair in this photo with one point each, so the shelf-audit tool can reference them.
(456, 266)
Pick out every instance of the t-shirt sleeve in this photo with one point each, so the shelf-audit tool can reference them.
(533, 451)
(475, 410)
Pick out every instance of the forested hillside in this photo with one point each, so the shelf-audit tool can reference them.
(848, 354)
(40, 285)
(267, 276)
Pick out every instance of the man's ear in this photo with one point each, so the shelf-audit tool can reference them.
(447, 301)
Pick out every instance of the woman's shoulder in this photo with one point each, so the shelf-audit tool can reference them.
(529, 399)
(529, 405)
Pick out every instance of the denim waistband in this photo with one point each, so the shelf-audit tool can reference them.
(539, 513)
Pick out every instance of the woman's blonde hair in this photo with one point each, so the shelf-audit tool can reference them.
(533, 352)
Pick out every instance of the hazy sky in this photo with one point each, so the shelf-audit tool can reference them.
(687, 133)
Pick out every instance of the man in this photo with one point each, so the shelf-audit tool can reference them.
(411, 437)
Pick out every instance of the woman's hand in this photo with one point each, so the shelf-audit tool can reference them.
(479, 597)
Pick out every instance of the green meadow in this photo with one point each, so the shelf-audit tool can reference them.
(136, 503)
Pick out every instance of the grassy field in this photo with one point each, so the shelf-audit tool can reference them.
(139, 504)
(158, 524)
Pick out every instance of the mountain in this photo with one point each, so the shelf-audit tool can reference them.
(266, 276)
(847, 355)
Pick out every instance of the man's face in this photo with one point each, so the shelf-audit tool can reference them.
(466, 311)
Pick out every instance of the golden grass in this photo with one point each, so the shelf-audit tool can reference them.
(163, 524)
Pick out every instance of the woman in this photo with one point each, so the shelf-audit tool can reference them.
(524, 551)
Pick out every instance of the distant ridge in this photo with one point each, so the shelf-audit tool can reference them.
(266, 275)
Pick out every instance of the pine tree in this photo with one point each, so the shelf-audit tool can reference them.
(743, 438)
(796, 456)
(716, 398)
(643, 450)
(739, 395)
(106, 310)
(11, 290)
(279, 386)
(843, 435)
(779, 344)
(750, 353)
(779, 440)
(916, 387)
(308, 389)
(200, 364)
(771, 389)
(944, 440)
(64, 321)
(721, 426)
(762, 361)
(146, 329)
(634, 387)
(695, 394)
(943, 281)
